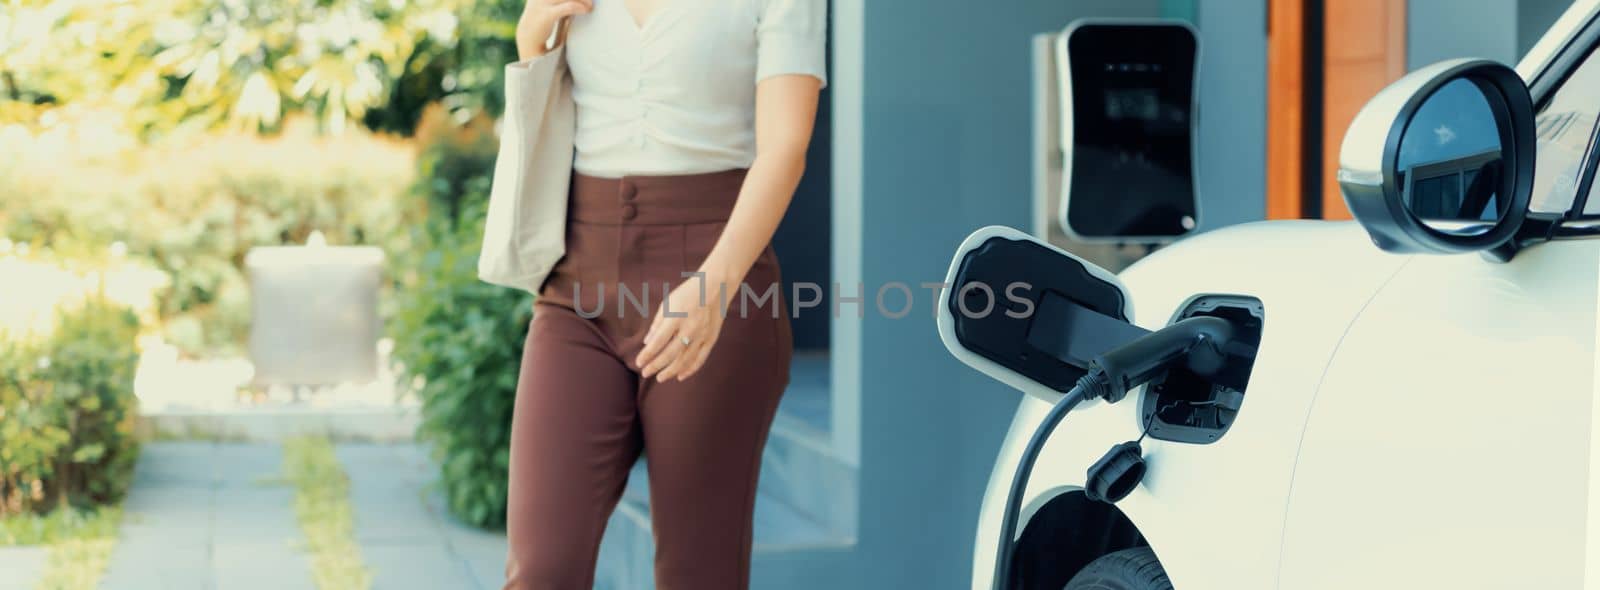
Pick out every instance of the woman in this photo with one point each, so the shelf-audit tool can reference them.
(693, 121)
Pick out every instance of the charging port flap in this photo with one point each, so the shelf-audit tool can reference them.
(1184, 407)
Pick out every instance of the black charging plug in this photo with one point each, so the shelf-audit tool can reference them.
(1197, 342)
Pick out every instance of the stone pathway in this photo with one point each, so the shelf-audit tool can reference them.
(406, 536)
(209, 515)
(216, 516)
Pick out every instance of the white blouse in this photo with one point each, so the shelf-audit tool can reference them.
(677, 95)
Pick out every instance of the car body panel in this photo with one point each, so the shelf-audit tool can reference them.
(1453, 429)
(1313, 468)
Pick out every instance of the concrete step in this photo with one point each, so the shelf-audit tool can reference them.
(799, 466)
(800, 469)
(219, 400)
(277, 422)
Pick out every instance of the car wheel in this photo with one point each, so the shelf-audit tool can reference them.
(1129, 569)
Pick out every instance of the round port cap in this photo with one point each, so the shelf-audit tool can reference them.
(1116, 474)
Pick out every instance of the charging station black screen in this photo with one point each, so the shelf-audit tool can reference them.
(1132, 95)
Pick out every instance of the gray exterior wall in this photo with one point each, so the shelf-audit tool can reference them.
(1233, 121)
(1533, 18)
(1442, 29)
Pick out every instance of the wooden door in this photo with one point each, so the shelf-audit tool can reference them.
(1287, 125)
(1325, 59)
(1364, 50)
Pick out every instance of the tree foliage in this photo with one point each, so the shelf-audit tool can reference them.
(172, 65)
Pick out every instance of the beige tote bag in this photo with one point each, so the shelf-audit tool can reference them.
(525, 233)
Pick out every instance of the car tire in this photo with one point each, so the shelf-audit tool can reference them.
(1129, 569)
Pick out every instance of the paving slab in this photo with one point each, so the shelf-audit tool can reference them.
(209, 516)
(483, 551)
(386, 491)
(407, 538)
(416, 565)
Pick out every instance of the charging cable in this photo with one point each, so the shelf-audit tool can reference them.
(1197, 343)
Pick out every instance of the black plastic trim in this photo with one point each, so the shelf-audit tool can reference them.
(1542, 89)
(1311, 99)
(1560, 67)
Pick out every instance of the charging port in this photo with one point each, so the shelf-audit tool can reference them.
(1184, 407)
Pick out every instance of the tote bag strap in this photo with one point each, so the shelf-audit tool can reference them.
(558, 36)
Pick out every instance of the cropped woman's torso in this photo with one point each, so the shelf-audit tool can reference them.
(676, 94)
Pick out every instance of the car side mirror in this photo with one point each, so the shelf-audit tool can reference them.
(1441, 161)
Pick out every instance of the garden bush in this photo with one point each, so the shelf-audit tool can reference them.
(460, 339)
(66, 411)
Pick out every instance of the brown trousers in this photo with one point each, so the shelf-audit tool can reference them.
(583, 415)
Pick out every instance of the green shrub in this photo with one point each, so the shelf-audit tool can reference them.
(454, 171)
(464, 339)
(66, 411)
(461, 338)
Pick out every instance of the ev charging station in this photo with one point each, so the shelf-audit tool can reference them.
(1116, 112)
(1128, 106)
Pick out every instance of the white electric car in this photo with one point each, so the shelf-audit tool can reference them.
(1413, 398)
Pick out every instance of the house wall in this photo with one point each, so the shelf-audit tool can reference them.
(1443, 29)
(1437, 30)
(1233, 123)
(1533, 18)
(803, 241)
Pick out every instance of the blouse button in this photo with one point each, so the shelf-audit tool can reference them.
(629, 212)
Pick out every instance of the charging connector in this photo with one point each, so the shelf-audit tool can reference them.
(1191, 408)
(1197, 344)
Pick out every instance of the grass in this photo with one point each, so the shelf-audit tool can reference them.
(322, 504)
(79, 542)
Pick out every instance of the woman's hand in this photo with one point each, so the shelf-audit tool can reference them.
(539, 18)
(786, 109)
(685, 328)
